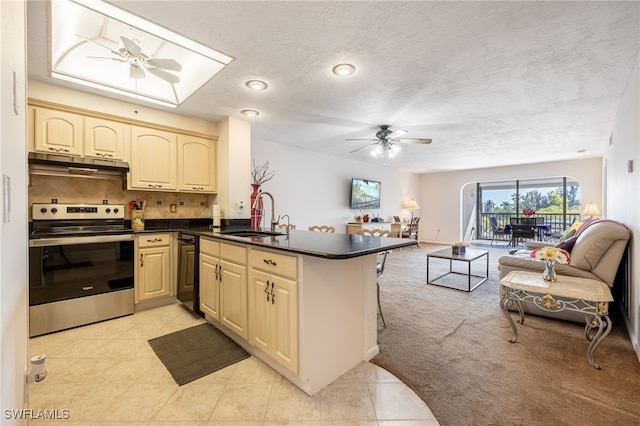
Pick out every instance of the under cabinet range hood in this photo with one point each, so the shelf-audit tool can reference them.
(73, 166)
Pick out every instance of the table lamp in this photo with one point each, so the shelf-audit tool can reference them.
(412, 205)
(591, 210)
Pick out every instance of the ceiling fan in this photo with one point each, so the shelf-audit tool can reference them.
(385, 141)
(131, 52)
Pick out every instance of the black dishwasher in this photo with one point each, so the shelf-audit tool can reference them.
(188, 272)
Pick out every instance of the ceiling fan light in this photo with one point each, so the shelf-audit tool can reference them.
(344, 70)
(250, 113)
(393, 150)
(257, 85)
(377, 151)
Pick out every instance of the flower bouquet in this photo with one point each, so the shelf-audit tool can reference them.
(528, 212)
(550, 256)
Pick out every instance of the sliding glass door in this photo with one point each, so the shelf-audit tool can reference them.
(555, 201)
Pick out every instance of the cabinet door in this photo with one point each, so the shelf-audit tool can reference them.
(233, 297)
(103, 138)
(209, 285)
(153, 272)
(260, 310)
(284, 333)
(153, 159)
(196, 164)
(57, 131)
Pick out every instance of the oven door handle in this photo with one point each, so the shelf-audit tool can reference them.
(67, 241)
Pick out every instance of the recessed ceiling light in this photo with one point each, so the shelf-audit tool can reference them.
(344, 69)
(249, 113)
(256, 85)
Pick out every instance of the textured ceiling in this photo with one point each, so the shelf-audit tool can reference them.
(492, 83)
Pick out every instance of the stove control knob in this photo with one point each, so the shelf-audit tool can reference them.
(116, 210)
(108, 210)
(43, 210)
(54, 210)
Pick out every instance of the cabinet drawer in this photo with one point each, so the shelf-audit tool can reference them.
(233, 253)
(210, 247)
(153, 240)
(279, 264)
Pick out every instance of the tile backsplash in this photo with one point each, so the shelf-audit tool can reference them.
(93, 191)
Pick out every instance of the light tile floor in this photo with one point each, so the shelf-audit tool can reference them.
(107, 374)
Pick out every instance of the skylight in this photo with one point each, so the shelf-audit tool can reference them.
(100, 46)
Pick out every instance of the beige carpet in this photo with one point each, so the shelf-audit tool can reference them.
(451, 348)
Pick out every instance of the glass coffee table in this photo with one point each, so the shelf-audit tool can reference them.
(468, 256)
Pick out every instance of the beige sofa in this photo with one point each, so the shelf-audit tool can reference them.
(596, 254)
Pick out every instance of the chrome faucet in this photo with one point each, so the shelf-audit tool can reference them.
(274, 221)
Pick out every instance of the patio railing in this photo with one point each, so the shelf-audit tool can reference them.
(558, 222)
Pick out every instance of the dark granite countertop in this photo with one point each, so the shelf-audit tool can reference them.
(318, 244)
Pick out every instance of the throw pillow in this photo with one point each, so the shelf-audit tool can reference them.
(567, 244)
(567, 234)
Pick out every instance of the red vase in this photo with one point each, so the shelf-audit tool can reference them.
(256, 214)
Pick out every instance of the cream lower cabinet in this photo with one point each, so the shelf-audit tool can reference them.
(223, 284)
(153, 266)
(273, 306)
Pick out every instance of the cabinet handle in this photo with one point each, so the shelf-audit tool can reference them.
(273, 295)
(141, 260)
(198, 188)
(104, 155)
(155, 240)
(266, 290)
(220, 273)
(153, 185)
(270, 262)
(217, 274)
(59, 149)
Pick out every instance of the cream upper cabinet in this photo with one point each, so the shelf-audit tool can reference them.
(196, 164)
(273, 306)
(153, 267)
(57, 131)
(103, 138)
(153, 159)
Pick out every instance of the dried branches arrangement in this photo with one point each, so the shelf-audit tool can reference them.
(261, 174)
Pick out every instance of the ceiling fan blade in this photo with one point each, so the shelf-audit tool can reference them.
(132, 48)
(115, 52)
(105, 57)
(396, 134)
(363, 147)
(412, 140)
(166, 76)
(136, 72)
(165, 64)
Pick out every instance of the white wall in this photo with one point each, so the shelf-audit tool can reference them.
(623, 188)
(441, 193)
(314, 188)
(13, 234)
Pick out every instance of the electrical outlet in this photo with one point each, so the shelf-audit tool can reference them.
(173, 208)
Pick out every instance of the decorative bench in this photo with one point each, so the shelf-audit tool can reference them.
(581, 295)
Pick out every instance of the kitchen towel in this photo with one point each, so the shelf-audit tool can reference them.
(195, 352)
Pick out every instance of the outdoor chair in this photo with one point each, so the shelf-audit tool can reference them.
(498, 233)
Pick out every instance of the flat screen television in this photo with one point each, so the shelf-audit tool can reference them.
(365, 194)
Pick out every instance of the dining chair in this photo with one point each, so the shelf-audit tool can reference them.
(522, 232)
(322, 228)
(376, 232)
